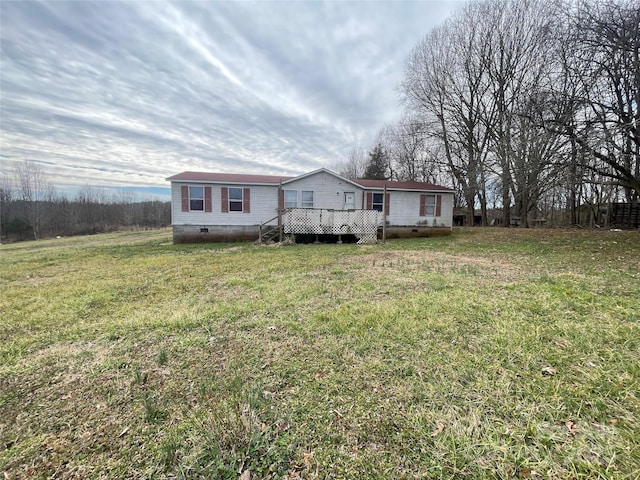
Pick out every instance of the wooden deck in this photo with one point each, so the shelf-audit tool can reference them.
(319, 221)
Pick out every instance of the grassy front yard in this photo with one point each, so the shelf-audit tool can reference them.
(492, 353)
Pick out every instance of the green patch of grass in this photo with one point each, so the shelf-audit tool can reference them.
(163, 357)
(491, 353)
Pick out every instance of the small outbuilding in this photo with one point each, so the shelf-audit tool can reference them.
(230, 207)
(624, 215)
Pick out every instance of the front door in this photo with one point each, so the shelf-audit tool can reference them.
(349, 200)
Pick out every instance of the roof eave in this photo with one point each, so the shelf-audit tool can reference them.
(325, 170)
(225, 182)
(401, 189)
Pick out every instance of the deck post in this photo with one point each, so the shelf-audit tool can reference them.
(280, 207)
(384, 214)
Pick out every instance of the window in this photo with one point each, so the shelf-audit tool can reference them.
(196, 199)
(429, 205)
(307, 199)
(378, 201)
(349, 200)
(290, 199)
(235, 199)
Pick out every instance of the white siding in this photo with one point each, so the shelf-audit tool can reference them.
(404, 209)
(446, 214)
(264, 205)
(328, 190)
(328, 193)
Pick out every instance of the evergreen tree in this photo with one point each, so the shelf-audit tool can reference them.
(378, 164)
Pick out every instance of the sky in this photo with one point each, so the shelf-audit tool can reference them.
(126, 94)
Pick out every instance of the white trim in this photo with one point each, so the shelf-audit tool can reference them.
(305, 175)
(204, 194)
(235, 200)
(216, 182)
(289, 202)
(322, 170)
(397, 189)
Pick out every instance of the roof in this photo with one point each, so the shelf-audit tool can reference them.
(400, 185)
(324, 170)
(226, 178)
(238, 178)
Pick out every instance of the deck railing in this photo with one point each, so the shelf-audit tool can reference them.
(322, 221)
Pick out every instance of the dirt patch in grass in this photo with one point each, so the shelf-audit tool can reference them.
(223, 250)
(483, 269)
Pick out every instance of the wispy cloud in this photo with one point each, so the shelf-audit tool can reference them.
(128, 93)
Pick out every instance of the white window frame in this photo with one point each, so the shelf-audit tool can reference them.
(380, 203)
(292, 200)
(350, 204)
(234, 201)
(195, 198)
(429, 208)
(308, 201)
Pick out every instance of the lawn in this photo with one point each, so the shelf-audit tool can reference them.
(492, 353)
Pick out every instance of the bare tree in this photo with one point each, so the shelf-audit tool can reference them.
(6, 202)
(445, 86)
(125, 198)
(516, 63)
(534, 152)
(34, 189)
(602, 114)
(354, 166)
(529, 97)
(410, 151)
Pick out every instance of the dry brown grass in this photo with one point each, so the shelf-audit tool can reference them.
(488, 268)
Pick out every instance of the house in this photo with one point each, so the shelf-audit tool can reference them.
(225, 207)
(460, 217)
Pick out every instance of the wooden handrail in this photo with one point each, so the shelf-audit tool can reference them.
(270, 220)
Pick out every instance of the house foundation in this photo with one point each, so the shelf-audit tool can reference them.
(214, 233)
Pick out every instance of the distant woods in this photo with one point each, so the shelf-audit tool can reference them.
(30, 208)
(529, 109)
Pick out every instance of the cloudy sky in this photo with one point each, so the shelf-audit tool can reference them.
(118, 94)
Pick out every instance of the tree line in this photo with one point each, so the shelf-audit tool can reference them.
(30, 208)
(527, 107)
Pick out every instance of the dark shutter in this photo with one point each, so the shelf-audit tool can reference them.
(386, 203)
(224, 199)
(423, 199)
(369, 200)
(185, 198)
(281, 200)
(246, 201)
(438, 205)
(207, 199)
